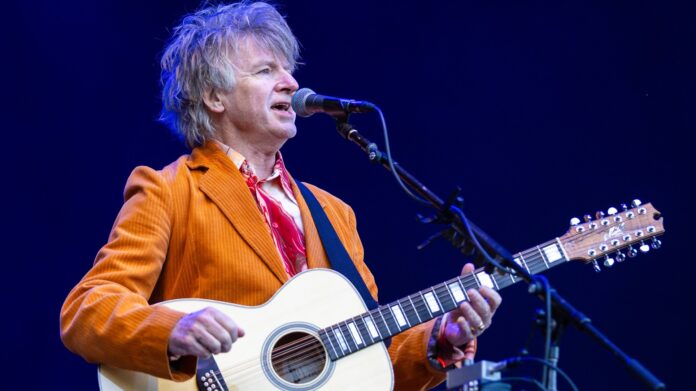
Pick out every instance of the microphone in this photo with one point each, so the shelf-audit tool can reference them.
(306, 102)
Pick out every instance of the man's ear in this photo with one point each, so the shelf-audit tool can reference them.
(212, 101)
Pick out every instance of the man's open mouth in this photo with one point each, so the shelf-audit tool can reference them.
(281, 106)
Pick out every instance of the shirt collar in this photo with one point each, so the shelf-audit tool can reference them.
(279, 170)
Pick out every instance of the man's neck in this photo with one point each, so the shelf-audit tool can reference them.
(261, 160)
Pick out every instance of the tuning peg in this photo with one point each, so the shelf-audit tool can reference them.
(636, 203)
(612, 211)
(595, 266)
(574, 221)
(656, 243)
(587, 218)
(624, 207)
(608, 262)
(632, 252)
(599, 214)
(620, 257)
(644, 248)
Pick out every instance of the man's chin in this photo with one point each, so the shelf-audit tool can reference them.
(289, 132)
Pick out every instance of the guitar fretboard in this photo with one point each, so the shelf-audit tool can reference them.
(377, 325)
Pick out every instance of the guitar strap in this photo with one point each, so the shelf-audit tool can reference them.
(337, 254)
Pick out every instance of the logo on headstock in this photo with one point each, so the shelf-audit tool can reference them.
(616, 231)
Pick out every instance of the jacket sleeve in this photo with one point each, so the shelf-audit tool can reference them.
(106, 318)
(408, 350)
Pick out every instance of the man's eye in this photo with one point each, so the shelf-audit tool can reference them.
(264, 71)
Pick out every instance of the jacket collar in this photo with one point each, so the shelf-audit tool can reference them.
(225, 186)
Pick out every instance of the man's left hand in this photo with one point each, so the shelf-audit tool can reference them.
(472, 317)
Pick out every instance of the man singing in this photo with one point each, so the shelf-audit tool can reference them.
(227, 222)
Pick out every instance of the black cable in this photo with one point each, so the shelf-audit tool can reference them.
(549, 327)
(474, 239)
(391, 162)
(453, 208)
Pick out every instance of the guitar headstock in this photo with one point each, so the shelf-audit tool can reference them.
(634, 229)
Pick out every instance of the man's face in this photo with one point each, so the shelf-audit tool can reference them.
(258, 106)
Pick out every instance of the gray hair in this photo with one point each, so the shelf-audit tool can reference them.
(197, 59)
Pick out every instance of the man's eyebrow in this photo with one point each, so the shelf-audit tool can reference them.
(272, 62)
(264, 62)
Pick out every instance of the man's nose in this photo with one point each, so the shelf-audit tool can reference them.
(288, 82)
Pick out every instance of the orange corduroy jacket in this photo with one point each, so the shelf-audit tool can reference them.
(193, 230)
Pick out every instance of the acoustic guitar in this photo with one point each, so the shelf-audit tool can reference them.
(316, 333)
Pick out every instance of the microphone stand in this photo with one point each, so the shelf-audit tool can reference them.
(464, 234)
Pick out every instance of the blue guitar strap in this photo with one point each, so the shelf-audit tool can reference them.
(337, 254)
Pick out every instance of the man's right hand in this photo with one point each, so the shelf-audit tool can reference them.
(203, 333)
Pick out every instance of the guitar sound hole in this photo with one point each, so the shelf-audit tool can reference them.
(298, 357)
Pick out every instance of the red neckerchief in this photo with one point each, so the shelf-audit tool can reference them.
(288, 238)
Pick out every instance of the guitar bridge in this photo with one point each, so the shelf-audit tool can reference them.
(208, 376)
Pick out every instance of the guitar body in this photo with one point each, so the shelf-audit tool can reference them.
(267, 357)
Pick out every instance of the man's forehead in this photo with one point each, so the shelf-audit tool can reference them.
(250, 53)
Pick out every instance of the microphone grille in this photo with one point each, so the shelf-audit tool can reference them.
(299, 100)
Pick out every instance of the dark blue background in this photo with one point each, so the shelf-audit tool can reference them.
(540, 110)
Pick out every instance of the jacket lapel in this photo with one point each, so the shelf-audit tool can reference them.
(225, 186)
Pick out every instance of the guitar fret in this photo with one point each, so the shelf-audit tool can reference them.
(339, 337)
(563, 250)
(464, 288)
(438, 299)
(415, 310)
(520, 261)
(364, 331)
(409, 311)
(501, 280)
(334, 341)
(384, 329)
(535, 265)
(497, 287)
(325, 337)
(478, 283)
(391, 322)
(446, 299)
(425, 305)
(352, 346)
(346, 337)
(543, 257)
(512, 276)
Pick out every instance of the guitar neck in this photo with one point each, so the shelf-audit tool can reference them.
(377, 325)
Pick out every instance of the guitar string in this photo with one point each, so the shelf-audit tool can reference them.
(297, 347)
